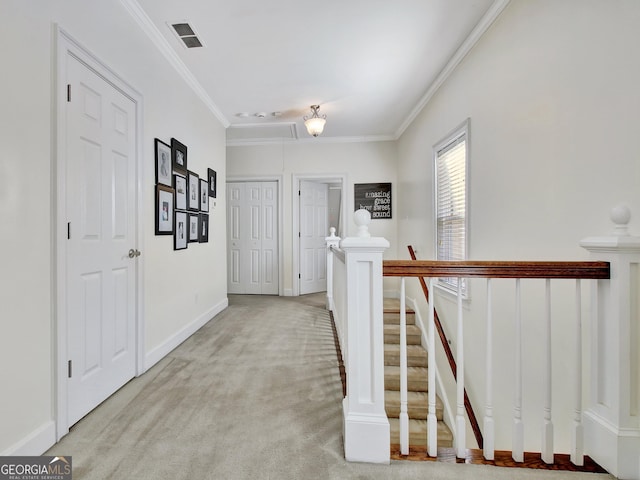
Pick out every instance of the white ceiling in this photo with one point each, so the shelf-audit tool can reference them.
(369, 64)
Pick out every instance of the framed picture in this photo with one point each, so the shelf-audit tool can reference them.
(178, 157)
(204, 196)
(194, 224)
(203, 236)
(181, 232)
(164, 210)
(212, 176)
(193, 191)
(163, 163)
(180, 185)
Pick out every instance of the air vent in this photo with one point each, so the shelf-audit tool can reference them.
(186, 34)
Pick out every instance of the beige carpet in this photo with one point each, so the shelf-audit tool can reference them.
(255, 394)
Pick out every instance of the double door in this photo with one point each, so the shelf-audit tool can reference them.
(252, 238)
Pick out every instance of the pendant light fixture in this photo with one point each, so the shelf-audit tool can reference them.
(315, 123)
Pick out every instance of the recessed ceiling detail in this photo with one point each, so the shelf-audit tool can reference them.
(186, 34)
(261, 133)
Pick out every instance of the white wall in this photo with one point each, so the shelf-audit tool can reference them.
(552, 94)
(180, 287)
(362, 163)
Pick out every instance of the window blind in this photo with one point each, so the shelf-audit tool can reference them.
(451, 204)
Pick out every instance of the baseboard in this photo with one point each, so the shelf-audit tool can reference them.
(288, 292)
(161, 351)
(36, 443)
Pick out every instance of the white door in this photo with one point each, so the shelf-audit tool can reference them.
(252, 226)
(101, 214)
(313, 231)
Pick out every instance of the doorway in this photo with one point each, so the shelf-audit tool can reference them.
(99, 328)
(252, 238)
(318, 206)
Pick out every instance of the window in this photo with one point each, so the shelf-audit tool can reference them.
(451, 201)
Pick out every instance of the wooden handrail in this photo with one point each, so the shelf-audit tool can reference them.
(493, 269)
(473, 420)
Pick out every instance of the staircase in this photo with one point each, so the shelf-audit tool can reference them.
(418, 403)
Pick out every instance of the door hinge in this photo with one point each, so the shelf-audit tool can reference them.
(298, 192)
(68, 92)
(299, 276)
(299, 234)
(68, 230)
(70, 368)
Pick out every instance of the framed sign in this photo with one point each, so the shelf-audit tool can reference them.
(374, 197)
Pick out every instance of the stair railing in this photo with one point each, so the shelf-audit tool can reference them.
(606, 428)
(473, 421)
(492, 270)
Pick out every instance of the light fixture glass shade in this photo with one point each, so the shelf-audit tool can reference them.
(315, 125)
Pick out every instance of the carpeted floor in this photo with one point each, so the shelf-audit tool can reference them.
(255, 394)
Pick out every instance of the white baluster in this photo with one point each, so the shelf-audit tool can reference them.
(489, 428)
(577, 438)
(404, 416)
(332, 241)
(547, 425)
(461, 428)
(432, 420)
(518, 427)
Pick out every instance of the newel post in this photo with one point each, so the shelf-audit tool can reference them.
(366, 426)
(332, 241)
(612, 416)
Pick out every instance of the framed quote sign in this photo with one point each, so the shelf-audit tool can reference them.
(375, 197)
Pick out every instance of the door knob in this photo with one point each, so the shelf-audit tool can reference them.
(134, 253)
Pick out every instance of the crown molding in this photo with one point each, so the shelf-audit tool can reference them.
(143, 20)
(478, 31)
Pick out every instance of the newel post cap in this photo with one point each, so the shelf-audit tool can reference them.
(362, 218)
(619, 240)
(620, 216)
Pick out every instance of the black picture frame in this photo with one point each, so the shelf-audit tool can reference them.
(163, 163)
(204, 196)
(193, 191)
(164, 209)
(194, 227)
(212, 177)
(203, 230)
(180, 186)
(178, 156)
(181, 231)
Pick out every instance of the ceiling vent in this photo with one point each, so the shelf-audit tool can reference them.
(186, 34)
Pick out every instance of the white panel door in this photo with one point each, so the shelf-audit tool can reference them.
(269, 250)
(252, 226)
(313, 231)
(235, 199)
(101, 211)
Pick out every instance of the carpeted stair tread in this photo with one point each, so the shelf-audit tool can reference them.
(417, 405)
(391, 312)
(392, 334)
(416, 355)
(416, 378)
(418, 433)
